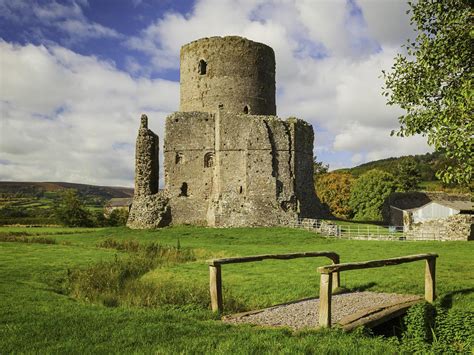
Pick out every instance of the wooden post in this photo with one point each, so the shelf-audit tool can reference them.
(430, 279)
(336, 280)
(325, 300)
(215, 285)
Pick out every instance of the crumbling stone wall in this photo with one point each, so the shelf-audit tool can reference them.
(238, 73)
(457, 227)
(146, 160)
(149, 206)
(258, 175)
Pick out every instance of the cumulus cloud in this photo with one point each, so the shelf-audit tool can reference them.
(72, 117)
(329, 54)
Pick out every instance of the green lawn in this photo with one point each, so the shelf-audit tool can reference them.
(35, 317)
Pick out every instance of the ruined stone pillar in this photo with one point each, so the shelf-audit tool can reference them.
(149, 207)
(146, 161)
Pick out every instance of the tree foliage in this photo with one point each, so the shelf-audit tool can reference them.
(319, 167)
(369, 193)
(432, 82)
(71, 210)
(408, 175)
(334, 189)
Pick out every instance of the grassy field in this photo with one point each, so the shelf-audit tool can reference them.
(36, 315)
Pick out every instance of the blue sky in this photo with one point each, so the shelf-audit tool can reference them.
(76, 75)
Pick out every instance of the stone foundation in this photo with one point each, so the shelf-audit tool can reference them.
(152, 211)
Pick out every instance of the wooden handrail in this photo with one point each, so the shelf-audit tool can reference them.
(375, 263)
(246, 259)
(325, 287)
(215, 274)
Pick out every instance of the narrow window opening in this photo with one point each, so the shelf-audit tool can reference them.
(241, 189)
(184, 190)
(208, 160)
(179, 159)
(202, 67)
(246, 109)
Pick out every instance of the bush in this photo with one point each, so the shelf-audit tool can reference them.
(118, 217)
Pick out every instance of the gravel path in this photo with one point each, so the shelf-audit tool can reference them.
(305, 314)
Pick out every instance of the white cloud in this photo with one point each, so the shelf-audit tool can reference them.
(329, 55)
(72, 117)
(387, 21)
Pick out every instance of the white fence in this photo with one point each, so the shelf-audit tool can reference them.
(362, 231)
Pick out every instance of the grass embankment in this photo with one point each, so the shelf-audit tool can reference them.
(37, 280)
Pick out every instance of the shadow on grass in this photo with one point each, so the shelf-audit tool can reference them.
(447, 300)
(363, 287)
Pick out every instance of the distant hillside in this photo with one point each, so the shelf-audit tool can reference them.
(38, 189)
(428, 164)
(33, 203)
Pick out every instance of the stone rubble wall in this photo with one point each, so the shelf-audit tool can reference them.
(146, 160)
(259, 176)
(457, 227)
(149, 206)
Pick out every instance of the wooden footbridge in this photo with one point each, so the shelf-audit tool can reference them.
(348, 313)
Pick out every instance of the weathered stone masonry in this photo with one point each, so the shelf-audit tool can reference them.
(228, 160)
(150, 206)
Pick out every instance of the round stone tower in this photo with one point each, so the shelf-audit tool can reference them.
(229, 73)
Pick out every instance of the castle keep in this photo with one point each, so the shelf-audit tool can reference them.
(228, 160)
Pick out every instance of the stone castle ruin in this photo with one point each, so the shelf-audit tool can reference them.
(228, 159)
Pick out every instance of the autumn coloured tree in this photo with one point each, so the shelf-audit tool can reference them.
(334, 190)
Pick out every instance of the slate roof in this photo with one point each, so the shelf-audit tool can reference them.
(119, 202)
(414, 201)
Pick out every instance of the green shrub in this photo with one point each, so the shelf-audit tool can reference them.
(454, 331)
(118, 217)
(437, 330)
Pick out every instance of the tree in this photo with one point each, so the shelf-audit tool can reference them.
(369, 193)
(408, 175)
(319, 167)
(432, 82)
(71, 211)
(334, 189)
